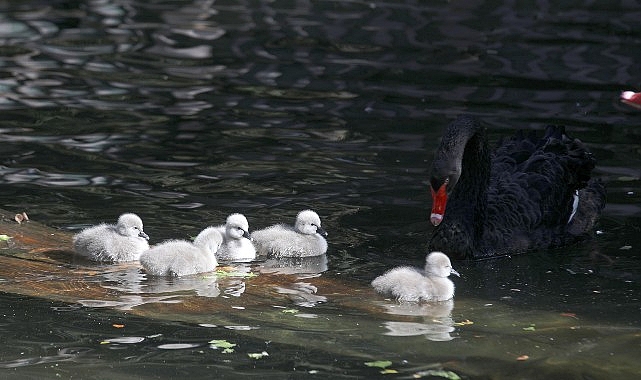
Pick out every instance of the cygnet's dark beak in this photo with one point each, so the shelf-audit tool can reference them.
(247, 235)
(321, 231)
(143, 235)
(454, 272)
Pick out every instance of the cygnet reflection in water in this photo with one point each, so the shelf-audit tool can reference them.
(304, 239)
(237, 245)
(124, 241)
(302, 294)
(204, 286)
(435, 320)
(412, 284)
(295, 265)
(181, 257)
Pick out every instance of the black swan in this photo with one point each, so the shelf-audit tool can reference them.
(528, 194)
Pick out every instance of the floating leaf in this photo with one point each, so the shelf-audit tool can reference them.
(464, 323)
(4, 237)
(118, 325)
(379, 364)
(522, 358)
(223, 273)
(258, 355)
(530, 328)
(388, 371)
(222, 343)
(290, 311)
(437, 373)
(569, 315)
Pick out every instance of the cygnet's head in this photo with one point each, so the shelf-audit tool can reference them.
(308, 222)
(210, 239)
(237, 226)
(438, 264)
(131, 225)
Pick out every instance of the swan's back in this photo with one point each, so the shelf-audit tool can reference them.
(532, 189)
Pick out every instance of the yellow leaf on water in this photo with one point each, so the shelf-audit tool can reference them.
(379, 363)
(464, 323)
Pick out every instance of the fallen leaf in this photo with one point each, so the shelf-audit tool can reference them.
(290, 311)
(118, 325)
(531, 328)
(4, 237)
(223, 273)
(258, 355)
(227, 347)
(464, 323)
(569, 315)
(388, 371)
(379, 364)
(522, 358)
(437, 373)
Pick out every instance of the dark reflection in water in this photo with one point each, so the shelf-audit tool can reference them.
(185, 112)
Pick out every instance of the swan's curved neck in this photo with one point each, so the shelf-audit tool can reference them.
(471, 189)
(464, 158)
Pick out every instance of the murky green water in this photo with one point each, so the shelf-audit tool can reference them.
(186, 111)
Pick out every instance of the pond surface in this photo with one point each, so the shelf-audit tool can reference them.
(187, 111)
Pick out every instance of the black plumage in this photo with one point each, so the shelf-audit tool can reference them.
(519, 197)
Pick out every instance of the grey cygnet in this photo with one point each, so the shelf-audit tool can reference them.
(120, 242)
(411, 284)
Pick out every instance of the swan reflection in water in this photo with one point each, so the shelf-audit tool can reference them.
(434, 319)
(299, 292)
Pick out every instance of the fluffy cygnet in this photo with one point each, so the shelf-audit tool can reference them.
(120, 242)
(305, 239)
(237, 245)
(412, 284)
(181, 257)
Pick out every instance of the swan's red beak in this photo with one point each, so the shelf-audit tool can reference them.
(439, 200)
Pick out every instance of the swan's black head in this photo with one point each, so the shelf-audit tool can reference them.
(444, 178)
(448, 162)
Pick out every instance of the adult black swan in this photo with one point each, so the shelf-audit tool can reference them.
(530, 193)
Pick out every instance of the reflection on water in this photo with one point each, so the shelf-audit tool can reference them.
(185, 112)
(295, 265)
(302, 294)
(436, 320)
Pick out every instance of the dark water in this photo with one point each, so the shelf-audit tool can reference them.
(185, 112)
